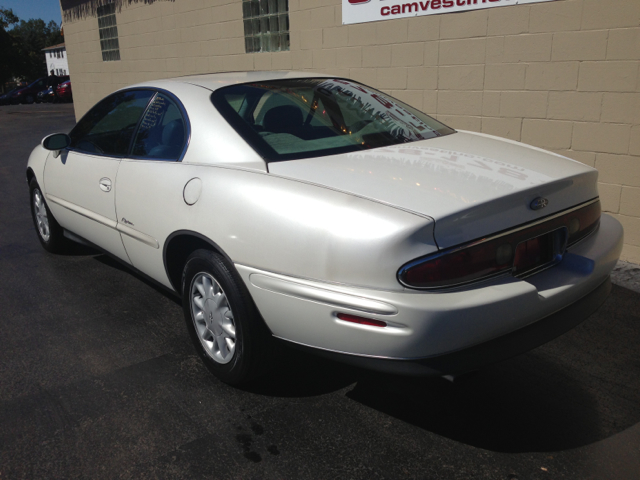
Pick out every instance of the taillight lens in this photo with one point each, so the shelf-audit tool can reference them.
(518, 251)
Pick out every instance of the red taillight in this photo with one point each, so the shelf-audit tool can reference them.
(361, 320)
(519, 251)
(582, 222)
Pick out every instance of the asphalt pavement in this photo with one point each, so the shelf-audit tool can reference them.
(98, 380)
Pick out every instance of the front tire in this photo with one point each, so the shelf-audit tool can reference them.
(222, 320)
(50, 233)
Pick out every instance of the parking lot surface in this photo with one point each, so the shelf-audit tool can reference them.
(99, 380)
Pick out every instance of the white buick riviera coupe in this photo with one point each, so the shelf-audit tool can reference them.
(329, 215)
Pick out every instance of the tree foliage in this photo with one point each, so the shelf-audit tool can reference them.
(21, 44)
(8, 54)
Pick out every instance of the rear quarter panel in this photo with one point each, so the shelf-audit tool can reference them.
(270, 223)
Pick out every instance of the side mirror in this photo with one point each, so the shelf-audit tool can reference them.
(56, 142)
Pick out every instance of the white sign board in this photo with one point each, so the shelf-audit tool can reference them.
(361, 11)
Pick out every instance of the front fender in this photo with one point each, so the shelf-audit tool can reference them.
(35, 164)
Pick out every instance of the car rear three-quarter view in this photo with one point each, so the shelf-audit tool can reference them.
(332, 216)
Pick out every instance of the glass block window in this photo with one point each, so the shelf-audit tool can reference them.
(108, 32)
(266, 25)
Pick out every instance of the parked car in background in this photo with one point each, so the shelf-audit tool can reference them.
(5, 99)
(63, 92)
(47, 96)
(332, 216)
(29, 93)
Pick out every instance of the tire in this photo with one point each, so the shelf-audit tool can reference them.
(223, 322)
(49, 232)
(29, 99)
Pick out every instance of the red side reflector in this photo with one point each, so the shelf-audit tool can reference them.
(361, 321)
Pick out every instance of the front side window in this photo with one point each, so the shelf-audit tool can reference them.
(311, 117)
(108, 31)
(108, 127)
(266, 25)
(162, 133)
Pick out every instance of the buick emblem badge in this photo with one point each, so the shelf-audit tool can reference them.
(539, 203)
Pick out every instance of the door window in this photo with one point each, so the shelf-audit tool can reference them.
(108, 127)
(162, 133)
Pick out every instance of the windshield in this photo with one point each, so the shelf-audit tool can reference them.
(311, 117)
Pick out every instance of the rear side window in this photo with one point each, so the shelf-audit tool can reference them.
(108, 127)
(162, 133)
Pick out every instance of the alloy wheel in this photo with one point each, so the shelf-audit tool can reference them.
(213, 318)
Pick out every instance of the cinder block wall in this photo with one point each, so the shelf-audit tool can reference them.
(562, 75)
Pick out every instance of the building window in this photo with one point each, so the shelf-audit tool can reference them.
(108, 32)
(266, 25)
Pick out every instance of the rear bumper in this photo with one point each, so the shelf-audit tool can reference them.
(478, 356)
(439, 332)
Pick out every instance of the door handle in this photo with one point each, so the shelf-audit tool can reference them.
(105, 184)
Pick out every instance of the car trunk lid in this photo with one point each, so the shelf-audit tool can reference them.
(470, 184)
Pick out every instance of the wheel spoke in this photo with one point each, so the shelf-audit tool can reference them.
(199, 301)
(229, 329)
(201, 288)
(207, 335)
(222, 347)
(208, 287)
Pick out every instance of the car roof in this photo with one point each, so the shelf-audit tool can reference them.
(214, 81)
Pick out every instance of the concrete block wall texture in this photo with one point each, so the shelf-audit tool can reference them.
(562, 75)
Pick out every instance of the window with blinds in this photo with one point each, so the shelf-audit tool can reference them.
(108, 32)
(266, 25)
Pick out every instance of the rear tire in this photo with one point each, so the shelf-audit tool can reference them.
(50, 233)
(223, 322)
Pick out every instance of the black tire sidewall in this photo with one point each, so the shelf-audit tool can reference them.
(243, 364)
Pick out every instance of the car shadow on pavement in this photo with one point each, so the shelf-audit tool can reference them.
(579, 389)
(295, 373)
(109, 261)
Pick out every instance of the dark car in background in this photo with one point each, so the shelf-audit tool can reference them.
(29, 94)
(47, 96)
(63, 92)
(5, 99)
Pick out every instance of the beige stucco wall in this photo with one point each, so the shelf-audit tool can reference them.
(562, 75)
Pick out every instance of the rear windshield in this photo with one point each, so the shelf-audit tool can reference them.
(312, 117)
